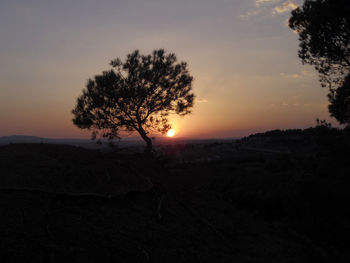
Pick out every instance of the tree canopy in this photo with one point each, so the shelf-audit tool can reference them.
(135, 95)
(323, 27)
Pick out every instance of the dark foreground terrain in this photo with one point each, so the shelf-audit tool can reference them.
(273, 197)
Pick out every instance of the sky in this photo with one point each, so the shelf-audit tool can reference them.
(241, 53)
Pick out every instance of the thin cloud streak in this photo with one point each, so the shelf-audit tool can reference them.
(201, 100)
(303, 74)
(250, 14)
(261, 2)
(285, 7)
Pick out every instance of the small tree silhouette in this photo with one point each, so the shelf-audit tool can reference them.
(135, 95)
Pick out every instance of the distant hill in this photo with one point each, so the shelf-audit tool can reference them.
(90, 144)
(86, 143)
(20, 139)
(34, 139)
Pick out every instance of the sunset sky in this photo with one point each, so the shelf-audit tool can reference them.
(248, 77)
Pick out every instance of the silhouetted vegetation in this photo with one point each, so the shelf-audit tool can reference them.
(324, 33)
(137, 95)
(340, 102)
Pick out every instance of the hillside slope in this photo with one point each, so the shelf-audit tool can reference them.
(244, 205)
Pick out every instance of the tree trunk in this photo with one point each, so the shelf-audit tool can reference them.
(149, 145)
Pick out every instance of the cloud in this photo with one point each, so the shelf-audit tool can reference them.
(250, 13)
(291, 104)
(199, 100)
(285, 6)
(308, 73)
(303, 74)
(259, 9)
(291, 76)
(285, 104)
(261, 2)
(268, 7)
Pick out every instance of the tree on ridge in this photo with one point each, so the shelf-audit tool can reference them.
(136, 95)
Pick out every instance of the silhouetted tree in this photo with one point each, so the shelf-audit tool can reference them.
(135, 95)
(340, 102)
(324, 33)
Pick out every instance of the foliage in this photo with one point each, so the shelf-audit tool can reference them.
(136, 95)
(323, 124)
(323, 27)
(340, 102)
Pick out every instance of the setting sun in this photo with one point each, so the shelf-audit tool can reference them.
(170, 133)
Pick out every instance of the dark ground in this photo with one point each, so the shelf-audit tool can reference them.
(274, 197)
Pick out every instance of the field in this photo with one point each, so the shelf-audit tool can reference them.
(274, 197)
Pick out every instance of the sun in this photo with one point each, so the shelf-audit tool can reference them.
(170, 133)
